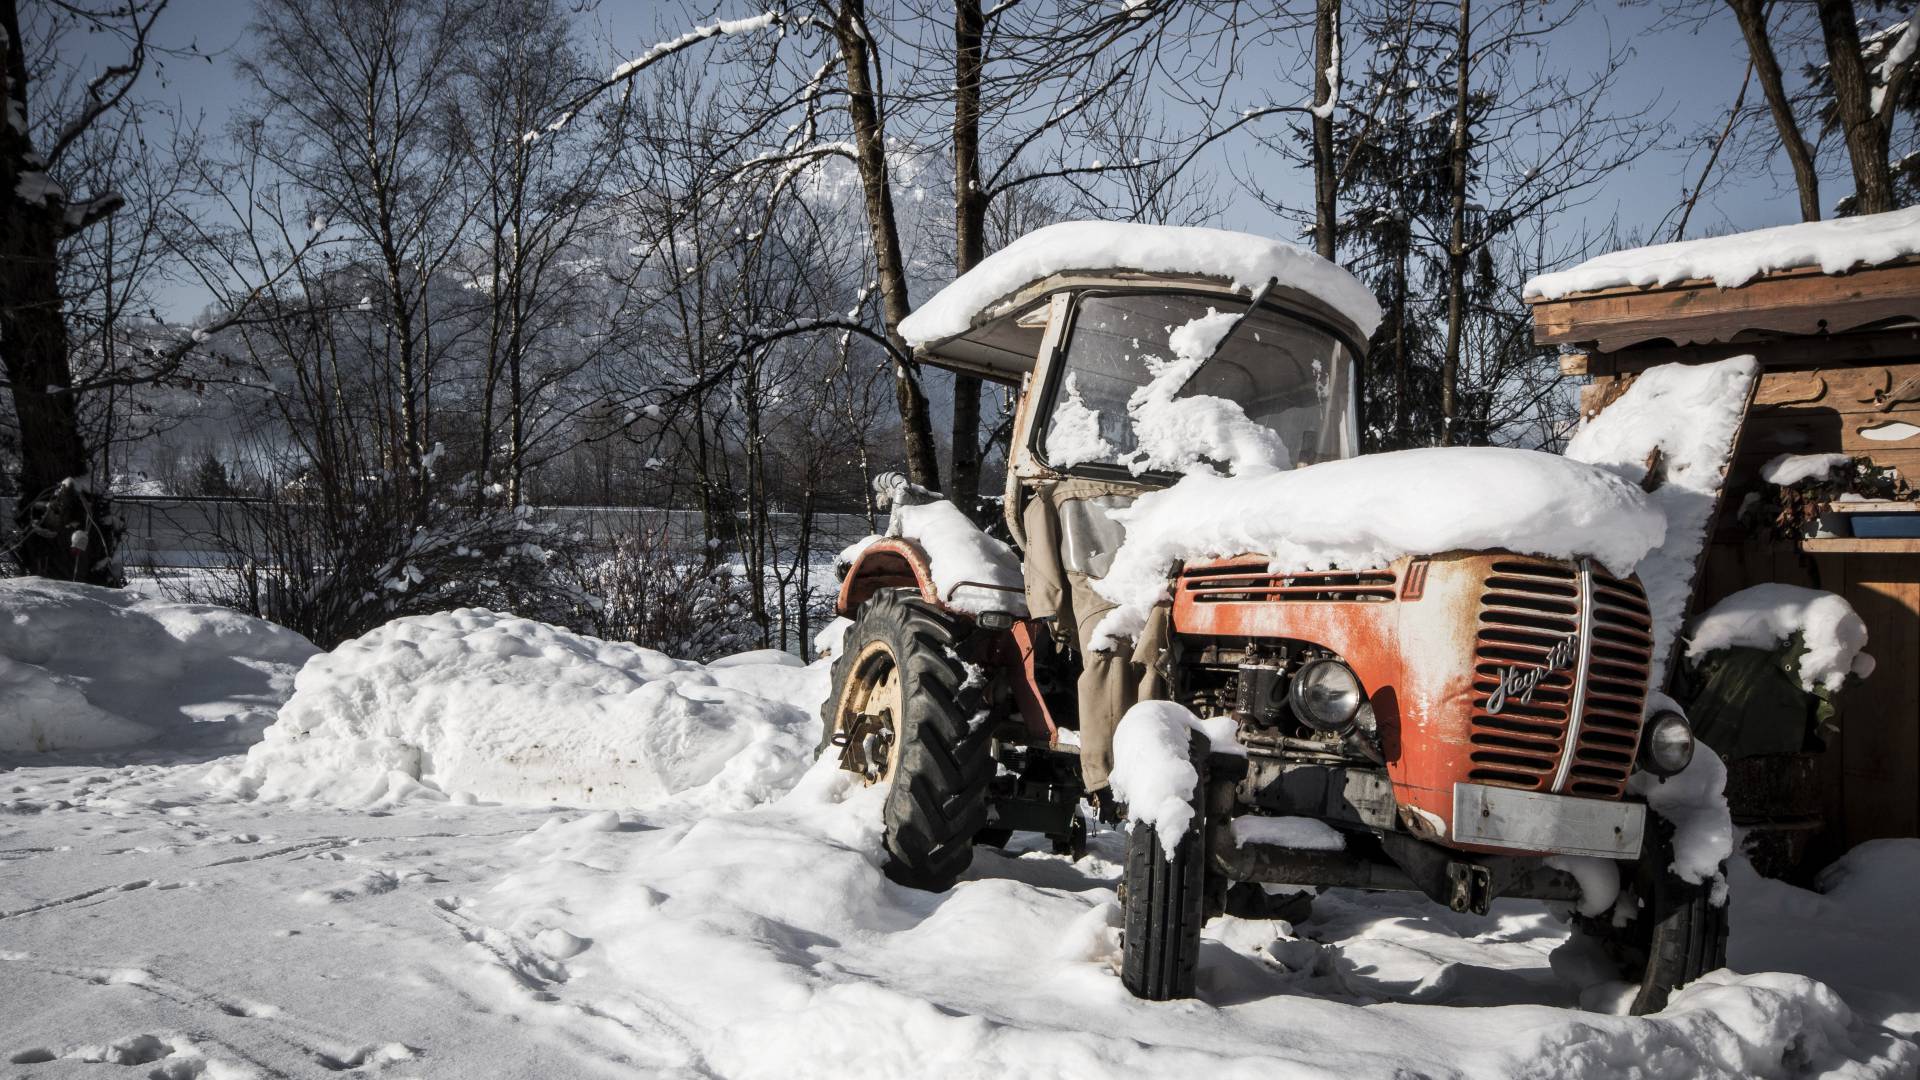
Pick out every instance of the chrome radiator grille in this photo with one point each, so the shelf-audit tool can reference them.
(1561, 656)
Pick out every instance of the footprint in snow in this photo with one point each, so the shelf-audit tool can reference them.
(371, 883)
(366, 1055)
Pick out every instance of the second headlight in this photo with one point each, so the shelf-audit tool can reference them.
(1666, 747)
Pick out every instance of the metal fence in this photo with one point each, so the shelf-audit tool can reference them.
(168, 532)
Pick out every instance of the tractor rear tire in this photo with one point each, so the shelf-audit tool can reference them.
(940, 758)
(1165, 904)
(1678, 934)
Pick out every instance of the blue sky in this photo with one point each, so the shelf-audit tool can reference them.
(1693, 76)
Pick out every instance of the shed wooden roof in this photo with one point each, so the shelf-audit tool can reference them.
(1797, 303)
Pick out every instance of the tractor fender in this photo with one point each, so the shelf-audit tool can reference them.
(895, 562)
(891, 562)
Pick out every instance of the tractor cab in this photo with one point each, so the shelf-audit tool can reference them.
(1124, 373)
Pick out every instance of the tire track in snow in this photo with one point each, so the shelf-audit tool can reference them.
(305, 847)
(122, 887)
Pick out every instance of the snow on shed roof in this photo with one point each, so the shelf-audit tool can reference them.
(1244, 259)
(1731, 261)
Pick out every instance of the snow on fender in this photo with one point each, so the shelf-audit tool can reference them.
(1153, 769)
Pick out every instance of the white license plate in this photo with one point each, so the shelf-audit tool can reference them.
(1534, 821)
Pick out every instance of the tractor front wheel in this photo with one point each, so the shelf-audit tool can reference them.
(906, 714)
(1164, 903)
(1677, 932)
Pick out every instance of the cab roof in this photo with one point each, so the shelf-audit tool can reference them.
(989, 321)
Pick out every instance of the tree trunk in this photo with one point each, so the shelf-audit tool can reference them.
(870, 149)
(969, 237)
(1326, 60)
(1867, 138)
(1457, 241)
(57, 504)
(1402, 405)
(1753, 27)
(1326, 171)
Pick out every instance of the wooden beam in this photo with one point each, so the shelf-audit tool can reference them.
(1855, 545)
(1896, 346)
(1796, 302)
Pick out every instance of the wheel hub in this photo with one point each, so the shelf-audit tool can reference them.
(867, 727)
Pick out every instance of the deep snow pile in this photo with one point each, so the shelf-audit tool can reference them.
(1767, 615)
(474, 704)
(1365, 512)
(1245, 260)
(1834, 246)
(86, 668)
(1681, 421)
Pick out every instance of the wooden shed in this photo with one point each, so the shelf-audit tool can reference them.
(1831, 310)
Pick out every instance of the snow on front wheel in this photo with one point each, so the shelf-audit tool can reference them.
(902, 714)
(1676, 934)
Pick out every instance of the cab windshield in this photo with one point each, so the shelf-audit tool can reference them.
(1148, 385)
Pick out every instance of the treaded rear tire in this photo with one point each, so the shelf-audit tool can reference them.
(937, 795)
(1165, 905)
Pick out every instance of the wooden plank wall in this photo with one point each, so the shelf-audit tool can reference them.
(1829, 411)
(1871, 773)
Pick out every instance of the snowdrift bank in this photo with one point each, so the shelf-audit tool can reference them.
(1680, 419)
(86, 668)
(1859, 933)
(474, 704)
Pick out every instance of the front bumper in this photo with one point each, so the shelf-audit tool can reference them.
(1532, 821)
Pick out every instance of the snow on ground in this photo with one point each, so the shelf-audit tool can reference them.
(1835, 246)
(145, 916)
(86, 668)
(1367, 511)
(1243, 259)
(1766, 615)
(153, 920)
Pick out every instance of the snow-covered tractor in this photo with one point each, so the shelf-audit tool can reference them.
(1426, 671)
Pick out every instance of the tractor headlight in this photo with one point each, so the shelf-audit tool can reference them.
(1667, 746)
(1326, 695)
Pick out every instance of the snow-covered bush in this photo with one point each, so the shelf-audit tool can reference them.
(335, 564)
(654, 594)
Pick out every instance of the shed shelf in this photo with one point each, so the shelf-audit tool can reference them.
(1855, 545)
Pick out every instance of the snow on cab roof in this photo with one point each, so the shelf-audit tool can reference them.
(1244, 259)
(1835, 246)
